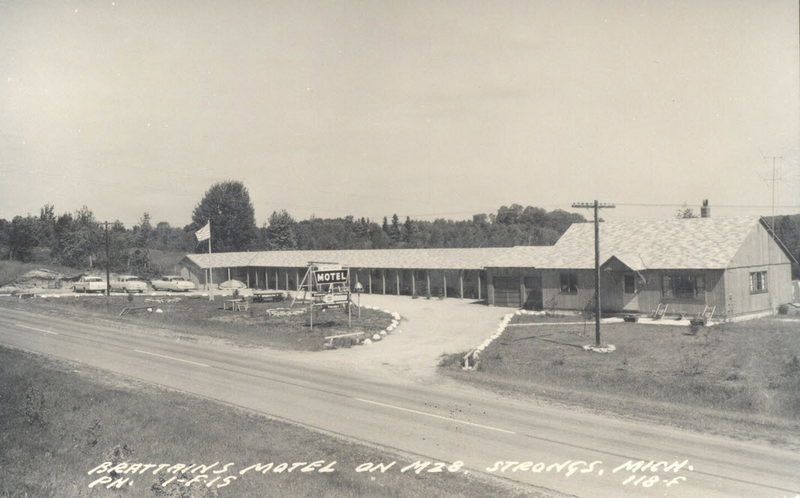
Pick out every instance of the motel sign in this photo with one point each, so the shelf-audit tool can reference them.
(331, 276)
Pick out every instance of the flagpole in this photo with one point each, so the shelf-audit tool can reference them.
(210, 266)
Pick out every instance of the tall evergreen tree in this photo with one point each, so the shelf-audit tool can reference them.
(394, 230)
(280, 232)
(408, 231)
(143, 231)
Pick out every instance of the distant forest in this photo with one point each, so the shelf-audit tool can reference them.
(78, 240)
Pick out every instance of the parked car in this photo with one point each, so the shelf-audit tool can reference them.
(128, 283)
(172, 283)
(90, 284)
(236, 286)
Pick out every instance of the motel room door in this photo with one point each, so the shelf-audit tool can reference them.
(506, 291)
(533, 286)
(630, 296)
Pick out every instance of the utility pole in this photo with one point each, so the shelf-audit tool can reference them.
(772, 223)
(773, 180)
(596, 206)
(108, 262)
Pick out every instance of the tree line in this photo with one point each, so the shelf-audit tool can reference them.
(228, 208)
(78, 239)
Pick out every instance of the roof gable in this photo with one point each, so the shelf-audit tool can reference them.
(696, 243)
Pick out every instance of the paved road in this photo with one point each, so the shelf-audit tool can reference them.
(437, 422)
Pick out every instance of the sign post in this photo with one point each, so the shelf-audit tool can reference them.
(328, 285)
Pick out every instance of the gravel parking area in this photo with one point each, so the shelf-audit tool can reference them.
(428, 329)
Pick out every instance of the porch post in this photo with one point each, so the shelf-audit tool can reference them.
(489, 288)
(397, 280)
(383, 280)
(461, 284)
(444, 283)
(479, 285)
(428, 282)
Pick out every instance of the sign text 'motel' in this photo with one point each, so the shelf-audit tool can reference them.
(331, 276)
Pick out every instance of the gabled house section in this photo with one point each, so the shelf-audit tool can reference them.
(735, 266)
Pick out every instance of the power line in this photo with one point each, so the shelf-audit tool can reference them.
(732, 206)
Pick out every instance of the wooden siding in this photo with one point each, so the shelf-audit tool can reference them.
(650, 292)
(553, 298)
(741, 301)
(514, 287)
(759, 252)
(758, 248)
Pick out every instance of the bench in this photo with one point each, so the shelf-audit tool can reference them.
(329, 338)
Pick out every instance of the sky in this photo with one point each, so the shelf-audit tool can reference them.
(422, 108)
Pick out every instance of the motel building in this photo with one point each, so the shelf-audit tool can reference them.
(733, 265)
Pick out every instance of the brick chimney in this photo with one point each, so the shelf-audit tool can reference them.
(705, 211)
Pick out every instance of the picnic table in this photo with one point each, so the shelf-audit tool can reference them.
(268, 295)
(235, 304)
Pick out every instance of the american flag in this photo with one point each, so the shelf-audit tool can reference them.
(204, 233)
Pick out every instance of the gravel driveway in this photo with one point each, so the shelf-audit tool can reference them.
(429, 329)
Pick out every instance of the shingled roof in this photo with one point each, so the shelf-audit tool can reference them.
(446, 258)
(695, 243)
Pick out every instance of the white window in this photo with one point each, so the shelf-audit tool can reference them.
(758, 282)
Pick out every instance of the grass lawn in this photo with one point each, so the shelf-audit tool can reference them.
(741, 379)
(58, 421)
(199, 316)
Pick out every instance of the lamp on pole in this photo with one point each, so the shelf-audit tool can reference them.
(359, 289)
(108, 262)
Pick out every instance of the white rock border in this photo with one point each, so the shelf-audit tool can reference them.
(475, 353)
(276, 312)
(393, 327)
(608, 348)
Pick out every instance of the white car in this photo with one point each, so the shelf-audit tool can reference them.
(128, 283)
(173, 283)
(90, 284)
(237, 286)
